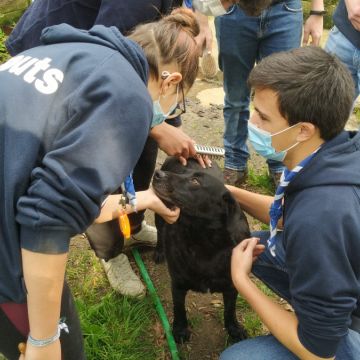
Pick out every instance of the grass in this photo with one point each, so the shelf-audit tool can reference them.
(261, 181)
(356, 112)
(117, 328)
(114, 327)
(4, 55)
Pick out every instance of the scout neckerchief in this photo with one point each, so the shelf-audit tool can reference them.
(276, 208)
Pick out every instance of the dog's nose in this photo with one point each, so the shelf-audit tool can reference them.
(159, 174)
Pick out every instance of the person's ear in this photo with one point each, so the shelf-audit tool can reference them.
(169, 84)
(307, 131)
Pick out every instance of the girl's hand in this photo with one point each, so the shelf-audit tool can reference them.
(156, 205)
(243, 256)
(203, 160)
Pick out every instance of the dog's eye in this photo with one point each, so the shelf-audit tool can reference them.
(195, 181)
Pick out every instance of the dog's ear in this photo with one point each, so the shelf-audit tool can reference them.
(230, 202)
(236, 221)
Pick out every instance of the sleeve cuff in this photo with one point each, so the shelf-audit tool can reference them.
(45, 241)
(319, 346)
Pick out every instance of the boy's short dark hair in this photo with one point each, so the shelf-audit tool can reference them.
(311, 86)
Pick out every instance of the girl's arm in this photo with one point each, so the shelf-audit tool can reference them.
(145, 200)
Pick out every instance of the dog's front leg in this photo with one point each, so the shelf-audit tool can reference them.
(234, 329)
(180, 325)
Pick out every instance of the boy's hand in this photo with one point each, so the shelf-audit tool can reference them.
(243, 256)
(313, 27)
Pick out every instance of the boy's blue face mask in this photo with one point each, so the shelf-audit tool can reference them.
(158, 113)
(261, 141)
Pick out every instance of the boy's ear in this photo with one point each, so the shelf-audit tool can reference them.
(307, 131)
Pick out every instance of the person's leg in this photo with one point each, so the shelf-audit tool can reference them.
(13, 329)
(268, 347)
(15, 324)
(237, 42)
(72, 344)
(349, 347)
(258, 348)
(281, 30)
(340, 46)
(107, 242)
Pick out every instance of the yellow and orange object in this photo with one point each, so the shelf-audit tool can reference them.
(124, 221)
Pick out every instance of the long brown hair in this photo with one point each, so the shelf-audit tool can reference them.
(170, 39)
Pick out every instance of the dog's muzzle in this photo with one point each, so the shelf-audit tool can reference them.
(162, 186)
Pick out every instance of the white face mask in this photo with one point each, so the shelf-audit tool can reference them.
(207, 7)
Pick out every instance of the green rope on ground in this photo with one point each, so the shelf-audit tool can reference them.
(159, 308)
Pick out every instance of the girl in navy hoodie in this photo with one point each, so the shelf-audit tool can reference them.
(74, 117)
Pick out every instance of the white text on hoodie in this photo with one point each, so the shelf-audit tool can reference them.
(31, 68)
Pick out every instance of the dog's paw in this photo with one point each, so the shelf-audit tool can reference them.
(181, 335)
(159, 257)
(237, 332)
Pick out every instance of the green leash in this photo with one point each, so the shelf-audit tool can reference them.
(159, 308)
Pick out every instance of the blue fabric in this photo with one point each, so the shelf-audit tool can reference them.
(70, 132)
(188, 4)
(347, 52)
(342, 22)
(273, 272)
(242, 41)
(267, 347)
(82, 14)
(128, 189)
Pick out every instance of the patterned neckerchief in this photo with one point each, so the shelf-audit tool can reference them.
(276, 208)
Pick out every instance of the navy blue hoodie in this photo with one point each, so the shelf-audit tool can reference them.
(83, 14)
(321, 237)
(74, 117)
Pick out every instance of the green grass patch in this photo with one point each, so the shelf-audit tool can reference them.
(251, 320)
(114, 327)
(261, 181)
(4, 55)
(356, 112)
(117, 328)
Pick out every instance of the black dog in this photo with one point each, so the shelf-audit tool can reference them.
(198, 246)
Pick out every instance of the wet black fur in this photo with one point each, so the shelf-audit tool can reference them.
(198, 246)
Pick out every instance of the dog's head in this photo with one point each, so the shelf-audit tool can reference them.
(200, 194)
(194, 192)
